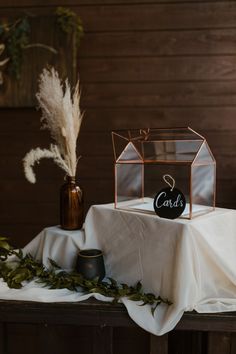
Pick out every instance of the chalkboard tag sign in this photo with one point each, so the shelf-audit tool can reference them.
(170, 202)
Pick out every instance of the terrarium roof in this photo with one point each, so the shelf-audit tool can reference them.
(161, 145)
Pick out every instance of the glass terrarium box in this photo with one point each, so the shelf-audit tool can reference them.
(144, 156)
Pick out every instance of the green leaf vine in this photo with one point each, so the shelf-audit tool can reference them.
(16, 270)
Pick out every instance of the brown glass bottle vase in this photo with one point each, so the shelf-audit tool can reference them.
(71, 205)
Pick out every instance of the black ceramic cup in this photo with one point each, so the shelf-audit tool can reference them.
(90, 264)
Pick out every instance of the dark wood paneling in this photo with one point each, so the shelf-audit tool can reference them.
(19, 121)
(233, 343)
(186, 342)
(20, 235)
(159, 344)
(45, 338)
(148, 16)
(37, 212)
(88, 326)
(102, 340)
(214, 118)
(15, 334)
(158, 69)
(45, 197)
(128, 340)
(3, 338)
(156, 43)
(44, 3)
(154, 94)
(219, 343)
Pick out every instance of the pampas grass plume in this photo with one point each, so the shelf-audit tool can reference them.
(62, 116)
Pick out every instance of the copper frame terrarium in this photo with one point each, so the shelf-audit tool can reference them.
(144, 156)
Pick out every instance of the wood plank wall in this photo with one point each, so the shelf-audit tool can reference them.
(142, 64)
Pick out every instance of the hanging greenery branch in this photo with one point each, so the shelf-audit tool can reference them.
(69, 23)
(15, 37)
(25, 268)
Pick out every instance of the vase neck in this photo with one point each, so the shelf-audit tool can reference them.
(70, 179)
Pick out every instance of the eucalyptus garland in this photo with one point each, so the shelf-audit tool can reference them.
(21, 268)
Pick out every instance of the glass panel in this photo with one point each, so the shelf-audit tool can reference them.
(203, 188)
(204, 156)
(119, 143)
(129, 183)
(129, 154)
(153, 178)
(174, 134)
(177, 151)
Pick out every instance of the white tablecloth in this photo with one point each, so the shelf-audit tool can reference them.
(190, 262)
(60, 245)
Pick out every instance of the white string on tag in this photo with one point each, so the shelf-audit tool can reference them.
(172, 183)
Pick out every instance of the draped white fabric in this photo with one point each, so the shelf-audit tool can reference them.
(60, 245)
(190, 262)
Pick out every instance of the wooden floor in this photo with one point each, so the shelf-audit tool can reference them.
(93, 327)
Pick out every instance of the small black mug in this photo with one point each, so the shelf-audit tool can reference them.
(90, 264)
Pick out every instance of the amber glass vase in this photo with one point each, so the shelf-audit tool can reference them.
(71, 205)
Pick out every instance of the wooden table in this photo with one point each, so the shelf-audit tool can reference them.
(104, 318)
